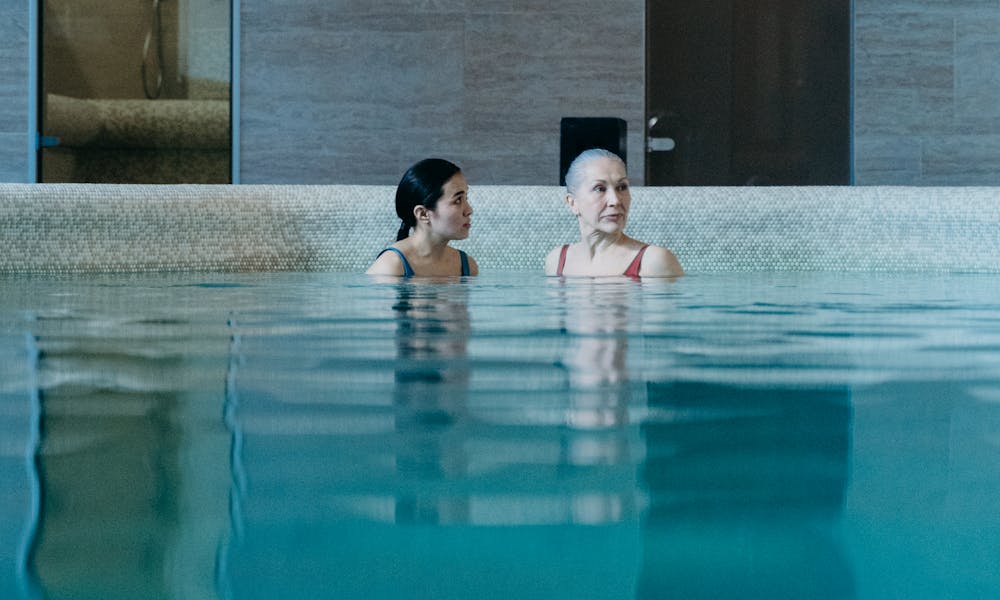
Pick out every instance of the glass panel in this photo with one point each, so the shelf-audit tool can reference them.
(135, 92)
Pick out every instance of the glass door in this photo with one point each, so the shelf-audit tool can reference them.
(135, 91)
(748, 92)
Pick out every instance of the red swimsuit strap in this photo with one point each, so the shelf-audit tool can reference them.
(562, 260)
(636, 264)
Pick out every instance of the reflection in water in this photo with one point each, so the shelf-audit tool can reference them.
(20, 487)
(430, 396)
(600, 429)
(108, 466)
(740, 486)
(128, 467)
(395, 462)
(746, 486)
(413, 448)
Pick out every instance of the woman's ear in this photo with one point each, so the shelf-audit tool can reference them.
(420, 212)
(571, 203)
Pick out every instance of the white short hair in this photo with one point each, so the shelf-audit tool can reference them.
(573, 172)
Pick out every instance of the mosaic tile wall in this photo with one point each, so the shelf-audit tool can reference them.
(356, 92)
(126, 228)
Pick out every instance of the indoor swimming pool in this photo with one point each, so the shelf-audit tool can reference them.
(328, 435)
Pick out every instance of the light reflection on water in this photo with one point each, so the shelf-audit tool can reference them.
(323, 435)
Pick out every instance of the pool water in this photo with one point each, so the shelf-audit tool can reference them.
(320, 435)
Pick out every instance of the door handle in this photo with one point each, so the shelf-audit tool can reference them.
(662, 131)
(660, 144)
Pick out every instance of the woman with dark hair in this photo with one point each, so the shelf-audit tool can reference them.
(597, 193)
(432, 200)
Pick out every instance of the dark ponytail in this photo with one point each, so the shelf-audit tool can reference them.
(404, 231)
(421, 185)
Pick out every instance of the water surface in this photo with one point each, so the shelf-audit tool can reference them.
(509, 436)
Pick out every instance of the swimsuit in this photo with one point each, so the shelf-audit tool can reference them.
(631, 271)
(408, 270)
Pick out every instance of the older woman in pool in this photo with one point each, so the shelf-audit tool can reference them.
(432, 200)
(597, 192)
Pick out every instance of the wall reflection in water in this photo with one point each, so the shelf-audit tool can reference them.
(747, 486)
(415, 449)
(19, 484)
(131, 462)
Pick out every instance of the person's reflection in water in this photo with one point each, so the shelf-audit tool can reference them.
(600, 434)
(431, 385)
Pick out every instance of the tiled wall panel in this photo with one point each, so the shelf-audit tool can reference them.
(926, 83)
(13, 91)
(355, 92)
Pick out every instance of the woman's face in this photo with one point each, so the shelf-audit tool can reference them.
(452, 216)
(601, 200)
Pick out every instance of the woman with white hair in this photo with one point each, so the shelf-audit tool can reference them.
(597, 193)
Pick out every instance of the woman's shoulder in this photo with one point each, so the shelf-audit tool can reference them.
(556, 252)
(658, 261)
(389, 261)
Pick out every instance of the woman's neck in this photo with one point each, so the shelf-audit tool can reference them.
(426, 244)
(597, 242)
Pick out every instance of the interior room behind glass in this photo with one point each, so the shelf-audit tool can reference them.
(135, 91)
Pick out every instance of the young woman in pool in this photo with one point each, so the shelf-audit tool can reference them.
(597, 193)
(432, 200)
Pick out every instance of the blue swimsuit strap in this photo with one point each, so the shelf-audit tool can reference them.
(407, 269)
(465, 262)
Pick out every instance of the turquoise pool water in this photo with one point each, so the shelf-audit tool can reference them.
(511, 436)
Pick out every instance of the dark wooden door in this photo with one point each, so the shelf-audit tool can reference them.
(748, 92)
